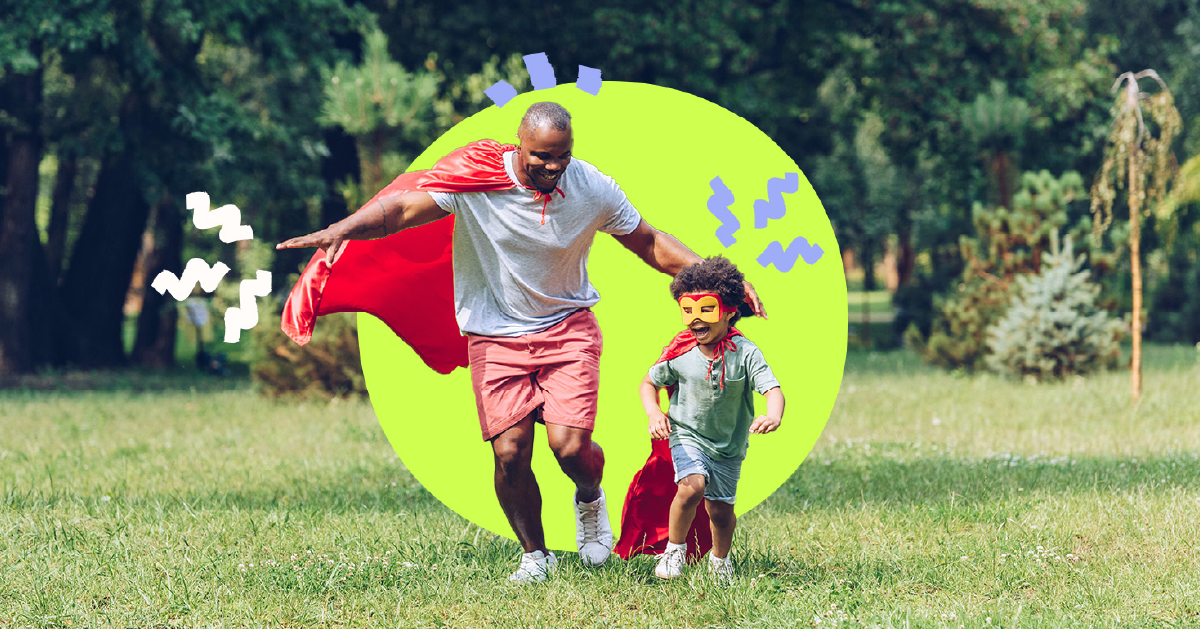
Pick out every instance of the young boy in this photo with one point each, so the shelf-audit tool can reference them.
(712, 372)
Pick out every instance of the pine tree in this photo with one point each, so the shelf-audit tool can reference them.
(1053, 328)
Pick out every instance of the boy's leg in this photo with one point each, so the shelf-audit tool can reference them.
(683, 508)
(722, 520)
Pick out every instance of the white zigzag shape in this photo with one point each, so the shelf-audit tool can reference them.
(246, 317)
(197, 271)
(229, 217)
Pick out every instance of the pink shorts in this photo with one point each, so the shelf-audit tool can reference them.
(557, 369)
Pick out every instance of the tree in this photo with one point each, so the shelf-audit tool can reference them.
(1053, 327)
(1008, 244)
(1138, 159)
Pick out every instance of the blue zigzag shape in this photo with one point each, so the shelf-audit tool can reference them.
(718, 205)
(785, 259)
(774, 206)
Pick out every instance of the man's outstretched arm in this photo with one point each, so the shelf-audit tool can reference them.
(384, 216)
(665, 253)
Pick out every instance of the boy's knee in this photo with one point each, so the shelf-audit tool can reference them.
(720, 513)
(691, 490)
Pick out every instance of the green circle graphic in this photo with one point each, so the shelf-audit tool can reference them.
(663, 147)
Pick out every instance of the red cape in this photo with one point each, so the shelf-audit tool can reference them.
(406, 279)
(644, 519)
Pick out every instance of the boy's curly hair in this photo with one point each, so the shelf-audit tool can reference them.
(712, 275)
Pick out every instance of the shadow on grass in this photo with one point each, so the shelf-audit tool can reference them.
(853, 479)
(135, 380)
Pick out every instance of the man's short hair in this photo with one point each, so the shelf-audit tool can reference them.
(540, 114)
(712, 275)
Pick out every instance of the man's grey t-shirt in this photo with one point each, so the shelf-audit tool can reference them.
(515, 276)
(706, 416)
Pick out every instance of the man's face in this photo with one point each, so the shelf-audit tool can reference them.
(543, 156)
(704, 316)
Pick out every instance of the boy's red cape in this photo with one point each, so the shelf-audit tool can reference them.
(644, 519)
(406, 279)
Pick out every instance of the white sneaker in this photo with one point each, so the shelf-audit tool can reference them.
(722, 568)
(534, 568)
(593, 533)
(670, 563)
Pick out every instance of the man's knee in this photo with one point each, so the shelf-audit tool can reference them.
(573, 446)
(513, 454)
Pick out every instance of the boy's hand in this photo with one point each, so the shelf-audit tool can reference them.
(764, 424)
(660, 426)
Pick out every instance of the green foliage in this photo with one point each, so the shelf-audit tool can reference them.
(378, 94)
(1008, 243)
(328, 366)
(1053, 327)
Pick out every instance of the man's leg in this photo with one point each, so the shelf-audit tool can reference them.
(580, 458)
(516, 487)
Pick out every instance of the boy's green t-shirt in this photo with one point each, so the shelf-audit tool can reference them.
(703, 415)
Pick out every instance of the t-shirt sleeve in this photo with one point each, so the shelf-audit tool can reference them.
(759, 372)
(448, 201)
(623, 218)
(662, 375)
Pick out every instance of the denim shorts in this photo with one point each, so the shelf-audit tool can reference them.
(720, 477)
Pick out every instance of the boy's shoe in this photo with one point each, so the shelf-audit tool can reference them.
(670, 563)
(722, 568)
(534, 568)
(593, 534)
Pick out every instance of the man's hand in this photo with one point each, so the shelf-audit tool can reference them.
(764, 424)
(660, 426)
(329, 240)
(380, 217)
(755, 303)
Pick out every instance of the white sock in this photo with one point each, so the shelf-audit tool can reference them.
(671, 546)
(715, 559)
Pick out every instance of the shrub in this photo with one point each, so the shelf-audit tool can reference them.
(1053, 328)
(328, 366)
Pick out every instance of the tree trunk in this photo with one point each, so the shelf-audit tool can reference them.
(1135, 267)
(868, 267)
(154, 345)
(341, 164)
(102, 262)
(26, 297)
(60, 214)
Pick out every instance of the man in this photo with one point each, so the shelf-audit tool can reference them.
(522, 297)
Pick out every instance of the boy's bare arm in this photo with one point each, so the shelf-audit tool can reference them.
(381, 217)
(660, 426)
(769, 422)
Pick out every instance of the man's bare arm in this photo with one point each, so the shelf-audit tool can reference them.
(382, 217)
(663, 252)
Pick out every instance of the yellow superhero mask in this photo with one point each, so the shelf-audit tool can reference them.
(706, 307)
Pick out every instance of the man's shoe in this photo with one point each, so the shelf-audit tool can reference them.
(670, 563)
(593, 534)
(722, 568)
(534, 568)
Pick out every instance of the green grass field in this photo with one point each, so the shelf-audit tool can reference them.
(931, 500)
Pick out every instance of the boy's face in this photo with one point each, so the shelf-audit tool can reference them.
(706, 316)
